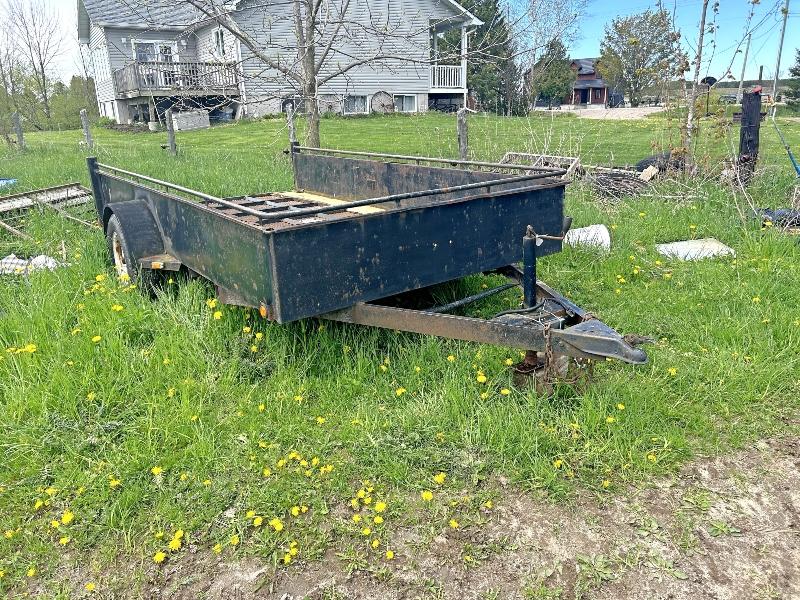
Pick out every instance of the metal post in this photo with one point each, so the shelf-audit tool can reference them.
(18, 129)
(744, 66)
(173, 148)
(290, 124)
(529, 268)
(463, 139)
(87, 133)
(749, 134)
(780, 51)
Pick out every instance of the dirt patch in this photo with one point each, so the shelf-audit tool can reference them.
(723, 528)
(614, 114)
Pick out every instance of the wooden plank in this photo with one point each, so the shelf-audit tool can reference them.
(362, 210)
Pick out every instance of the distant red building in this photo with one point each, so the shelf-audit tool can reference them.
(589, 88)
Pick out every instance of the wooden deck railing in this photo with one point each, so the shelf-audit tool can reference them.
(447, 77)
(146, 77)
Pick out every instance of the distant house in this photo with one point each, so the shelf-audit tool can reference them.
(589, 88)
(151, 55)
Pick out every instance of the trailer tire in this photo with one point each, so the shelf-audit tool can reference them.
(123, 260)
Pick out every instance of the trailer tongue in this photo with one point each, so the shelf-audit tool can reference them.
(359, 236)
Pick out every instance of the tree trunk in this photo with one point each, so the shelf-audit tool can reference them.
(687, 142)
(312, 119)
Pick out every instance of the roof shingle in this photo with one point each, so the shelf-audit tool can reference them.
(165, 13)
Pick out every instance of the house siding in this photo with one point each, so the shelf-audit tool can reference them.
(120, 48)
(98, 53)
(407, 20)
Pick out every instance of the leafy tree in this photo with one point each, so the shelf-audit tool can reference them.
(639, 52)
(551, 78)
(793, 94)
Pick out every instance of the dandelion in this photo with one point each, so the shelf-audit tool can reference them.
(756, 299)
(64, 540)
(620, 406)
(321, 420)
(217, 549)
(67, 517)
(90, 586)
(96, 339)
(505, 392)
(427, 495)
(114, 483)
(377, 520)
(117, 307)
(295, 511)
(91, 396)
(417, 369)
(258, 521)
(375, 543)
(276, 524)
(672, 371)
(31, 572)
(159, 557)
(389, 555)
(383, 368)
(217, 315)
(400, 391)
(266, 472)
(451, 358)
(99, 278)
(298, 399)
(206, 482)
(253, 348)
(380, 506)
(158, 535)
(261, 407)
(454, 524)
(606, 483)
(488, 504)
(174, 544)
(184, 476)
(246, 329)
(211, 303)
(259, 335)
(156, 470)
(652, 457)
(234, 541)
(610, 419)
(366, 531)
(439, 478)
(356, 518)
(194, 418)
(287, 558)
(481, 378)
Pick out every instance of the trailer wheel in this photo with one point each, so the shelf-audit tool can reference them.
(124, 262)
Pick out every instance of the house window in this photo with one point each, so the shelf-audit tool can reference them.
(597, 92)
(355, 105)
(405, 103)
(219, 42)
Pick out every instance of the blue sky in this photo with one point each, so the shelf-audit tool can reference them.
(730, 21)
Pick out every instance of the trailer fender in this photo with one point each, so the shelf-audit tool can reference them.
(139, 228)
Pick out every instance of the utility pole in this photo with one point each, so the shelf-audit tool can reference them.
(744, 66)
(780, 50)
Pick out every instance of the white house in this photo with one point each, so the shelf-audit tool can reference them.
(150, 55)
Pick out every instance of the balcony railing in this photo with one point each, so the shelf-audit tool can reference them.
(447, 77)
(141, 78)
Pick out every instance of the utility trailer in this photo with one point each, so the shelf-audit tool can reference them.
(361, 239)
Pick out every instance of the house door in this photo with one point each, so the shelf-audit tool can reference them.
(584, 96)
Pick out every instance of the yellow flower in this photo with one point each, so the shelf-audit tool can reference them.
(217, 315)
(356, 518)
(55, 524)
(454, 524)
(211, 303)
(276, 524)
(217, 549)
(366, 531)
(651, 457)
(558, 463)
(389, 555)
(672, 371)
(253, 348)
(439, 478)
(31, 572)
(321, 420)
(377, 520)
(261, 408)
(481, 378)
(400, 391)
(250, 514)
(184, 476)
(606, 483)
(91, 396)
(427, 495)
(509, 361)
(610, 419)
(158, 535)
(375, 543)
(380, 506)
(259, 335)
(266, 472)
(451, 358)
(194, 418)
(234, 541)
(64, 540)
(417, 369)
(156, 470)
(113, 482)
(90, 586)
(67, 517)
(287, 558)
(206, 482)
(159, 557)
(295, 511)
(246, 329)
(174, 544)
(620, 406)
(488, 504)
(756, 299)
(505, 391)
(96, 339)
(117, 307)
(257, 521)
(99, 278)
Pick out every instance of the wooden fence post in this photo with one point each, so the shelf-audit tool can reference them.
(749, 134)
(87, 133)
(173, 148)
(290, 124)
(463, 139)
(18, 129)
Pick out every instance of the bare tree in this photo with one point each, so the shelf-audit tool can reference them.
(37, 32)
(698, 61)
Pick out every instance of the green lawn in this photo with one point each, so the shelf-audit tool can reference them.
(126, 420)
